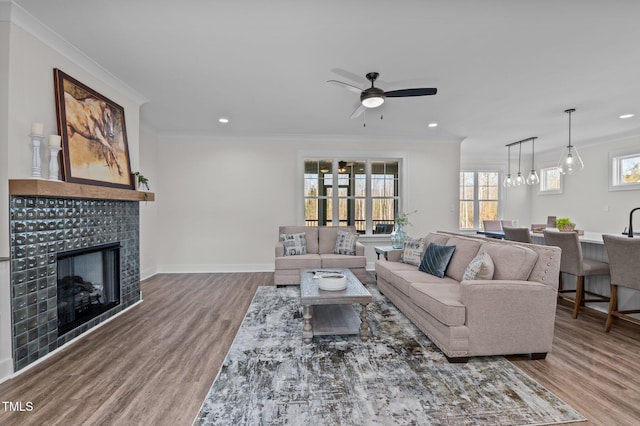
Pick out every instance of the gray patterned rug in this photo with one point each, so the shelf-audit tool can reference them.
(271, 377)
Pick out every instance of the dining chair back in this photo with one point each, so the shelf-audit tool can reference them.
(517, 234)
(623, 253)
(574, 263)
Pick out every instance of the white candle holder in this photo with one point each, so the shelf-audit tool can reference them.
(53, 162)
(36, 168)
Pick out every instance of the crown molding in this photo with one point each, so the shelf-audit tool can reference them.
(13, 13)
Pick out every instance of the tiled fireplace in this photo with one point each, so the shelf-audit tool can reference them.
(41, 229)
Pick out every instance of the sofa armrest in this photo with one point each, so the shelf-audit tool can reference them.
(518, 316)
(359, 249)
(394, 255)
(279, 249)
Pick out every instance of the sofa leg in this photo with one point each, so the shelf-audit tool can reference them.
(538, 355)
(458, 359)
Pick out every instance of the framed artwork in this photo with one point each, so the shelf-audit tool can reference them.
(624, 170)
(94, 136)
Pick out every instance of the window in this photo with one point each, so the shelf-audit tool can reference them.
(624, 170)
(479, 198)
(550, 180)
(363, 193)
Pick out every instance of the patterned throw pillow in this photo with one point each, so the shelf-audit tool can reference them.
(294, 244)
(436, 259)
(346, 243)
(480, 268)
(412, 252)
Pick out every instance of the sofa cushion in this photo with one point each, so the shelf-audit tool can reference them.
(332, 260)
(480, 268)
(402, 279)
(435, 238)
(466, 250)
(304, 261)
(412, 251)
(436, 259)
(510, 261)
(345, 243)
(294, 244)
(311, 233)
(441, 300)
(327, 236)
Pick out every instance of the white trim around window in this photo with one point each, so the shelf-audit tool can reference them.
(624, 170)
(551, 181)
(347, 154)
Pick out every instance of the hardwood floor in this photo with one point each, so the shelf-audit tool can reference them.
(154, 364)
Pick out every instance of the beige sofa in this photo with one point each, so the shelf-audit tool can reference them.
(320, 243)
(513, 313)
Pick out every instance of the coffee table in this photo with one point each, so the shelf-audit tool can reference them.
(331, 312)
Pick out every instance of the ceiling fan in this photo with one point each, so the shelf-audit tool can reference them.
(373, 97)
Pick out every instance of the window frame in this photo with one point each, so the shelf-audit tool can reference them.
(476, 200)
(368, 157)
(545, 191)
(615, 171)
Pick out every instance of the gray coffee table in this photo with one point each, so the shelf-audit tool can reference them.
(331, 312)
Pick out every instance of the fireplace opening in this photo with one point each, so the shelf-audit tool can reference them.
(88, 284)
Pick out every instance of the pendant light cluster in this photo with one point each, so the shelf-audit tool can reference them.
(570, 161)
(532, 178)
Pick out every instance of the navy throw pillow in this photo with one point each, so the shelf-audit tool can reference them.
(436, 259)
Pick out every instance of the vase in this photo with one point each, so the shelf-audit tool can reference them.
(398, 236)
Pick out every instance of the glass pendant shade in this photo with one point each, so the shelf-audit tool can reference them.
(519, 180)
(533, 178)
(508, 181)
(570, 161)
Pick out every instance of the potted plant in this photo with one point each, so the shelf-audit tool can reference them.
(564, 224)
(142, 183)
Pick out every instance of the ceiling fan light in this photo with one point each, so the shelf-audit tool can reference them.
(372, 101)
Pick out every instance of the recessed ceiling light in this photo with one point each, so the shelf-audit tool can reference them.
(627, 115)
(433, 124)
(223, 120)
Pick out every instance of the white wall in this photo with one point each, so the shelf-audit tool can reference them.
(220, 202)
(586, 194)
(149, 229)
(4, 137)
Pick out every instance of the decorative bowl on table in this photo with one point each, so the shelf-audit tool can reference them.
(332, 282)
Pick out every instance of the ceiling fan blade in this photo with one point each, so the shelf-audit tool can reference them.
(403, 93)
(358, 111)
(344, 85)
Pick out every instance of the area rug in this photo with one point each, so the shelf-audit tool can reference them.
(270, 377)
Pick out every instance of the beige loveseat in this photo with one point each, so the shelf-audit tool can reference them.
(513, 313)
(320, 245)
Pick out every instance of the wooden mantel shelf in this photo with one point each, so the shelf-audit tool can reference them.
(41, 187)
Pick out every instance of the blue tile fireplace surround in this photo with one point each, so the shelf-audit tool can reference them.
(41, 228)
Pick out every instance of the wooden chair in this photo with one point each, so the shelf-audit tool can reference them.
(623, 253)
(508, 223)
(517, 234)
(572, 262)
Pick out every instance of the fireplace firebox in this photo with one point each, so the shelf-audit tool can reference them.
(88, 284)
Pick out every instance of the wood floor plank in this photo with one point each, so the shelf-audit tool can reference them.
(154, 364)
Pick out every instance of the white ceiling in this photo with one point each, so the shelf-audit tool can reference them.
(505, 69)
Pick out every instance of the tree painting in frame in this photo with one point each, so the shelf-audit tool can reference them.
(94, 136)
